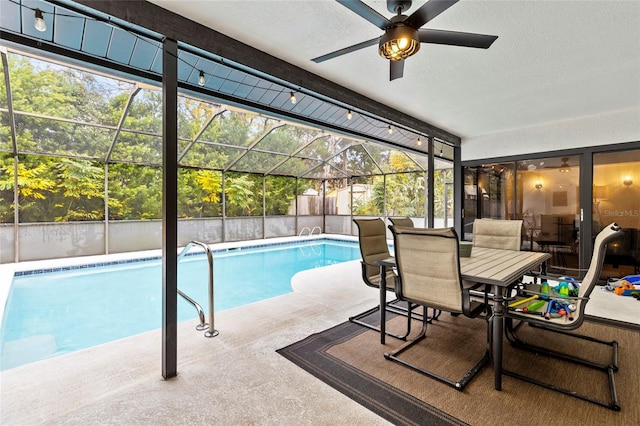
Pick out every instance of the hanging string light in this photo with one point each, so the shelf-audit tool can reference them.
(39, 21)
(41, 25)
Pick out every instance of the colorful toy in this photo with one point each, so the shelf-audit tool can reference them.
(544, 289)
(557, 308)
(567, 286)
(627, 286)
(533, 306)
(627, 289)
(520, 302)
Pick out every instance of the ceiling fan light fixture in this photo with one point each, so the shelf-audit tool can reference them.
(399, 42)
(564, 167)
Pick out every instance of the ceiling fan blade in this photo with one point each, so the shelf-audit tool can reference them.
(349, 49)
(428, 11)
(366, 12)
(396, 69)
(455, 38)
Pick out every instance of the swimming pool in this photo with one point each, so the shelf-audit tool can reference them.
(52, 313)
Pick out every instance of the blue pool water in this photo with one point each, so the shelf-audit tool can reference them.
(59, 312)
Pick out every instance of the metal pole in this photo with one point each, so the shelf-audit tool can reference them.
(169, 208)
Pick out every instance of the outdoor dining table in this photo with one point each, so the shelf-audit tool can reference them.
(495, 267)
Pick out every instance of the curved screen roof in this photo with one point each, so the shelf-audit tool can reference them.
(235, 121)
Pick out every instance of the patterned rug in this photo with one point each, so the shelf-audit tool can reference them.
(350, 358)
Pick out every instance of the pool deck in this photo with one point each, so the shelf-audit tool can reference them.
(236, 378)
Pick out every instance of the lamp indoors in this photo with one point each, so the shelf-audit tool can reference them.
(399, 42)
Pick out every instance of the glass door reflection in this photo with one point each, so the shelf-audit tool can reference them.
(616, 198)
(548, 200)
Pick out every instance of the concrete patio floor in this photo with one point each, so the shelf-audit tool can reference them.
(235, 378)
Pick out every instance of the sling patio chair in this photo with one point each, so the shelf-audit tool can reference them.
(428, 264)
(576, 295)
(372, 239)
(402, 222)
(497, 233)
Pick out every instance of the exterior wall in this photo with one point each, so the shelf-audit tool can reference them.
(338, 225)
(208, 231)
(6, 243)
(245, 228)
(608, 129)
(279, 226)
(51, 240)
(309, 222)
(134, 235)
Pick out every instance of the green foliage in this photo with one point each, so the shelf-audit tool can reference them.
(61, 160)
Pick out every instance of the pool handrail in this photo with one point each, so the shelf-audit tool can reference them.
(310, 231)
(211, 332)
(306, 228)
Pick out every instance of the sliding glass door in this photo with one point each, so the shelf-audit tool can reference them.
(616, 198)
(548, 196)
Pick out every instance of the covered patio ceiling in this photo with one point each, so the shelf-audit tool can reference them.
(131, 58)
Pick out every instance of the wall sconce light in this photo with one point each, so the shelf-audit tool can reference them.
(538, 185)
(627, 181)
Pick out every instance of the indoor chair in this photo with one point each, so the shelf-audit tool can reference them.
(372, 239)
(428, 266)
(541, 319)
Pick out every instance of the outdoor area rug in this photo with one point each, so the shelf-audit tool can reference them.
(351, 359)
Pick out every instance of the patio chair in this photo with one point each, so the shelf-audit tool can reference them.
(496, 233)
(402, 222)
(428, 265)
(372, 238)
(562, 325)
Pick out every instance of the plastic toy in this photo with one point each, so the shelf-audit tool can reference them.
(568, 286)
(520, 302)
(627, 286)
(533, 306)
(544, 289)
(557, 308)
(627, 289)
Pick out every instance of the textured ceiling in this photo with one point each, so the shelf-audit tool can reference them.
(553, 60)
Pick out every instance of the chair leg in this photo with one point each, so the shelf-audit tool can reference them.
(515, 341)
(408, 312)
(609, 369)
(456, 384)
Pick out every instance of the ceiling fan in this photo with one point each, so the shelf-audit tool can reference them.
(403, 35)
